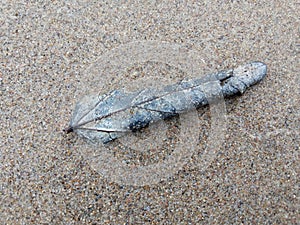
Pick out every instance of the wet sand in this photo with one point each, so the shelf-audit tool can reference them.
(46, 50)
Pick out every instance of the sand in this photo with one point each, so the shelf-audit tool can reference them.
(46, 50)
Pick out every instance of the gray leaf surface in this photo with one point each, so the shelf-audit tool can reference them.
(105, 118)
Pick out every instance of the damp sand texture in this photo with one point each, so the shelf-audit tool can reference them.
(45, 49)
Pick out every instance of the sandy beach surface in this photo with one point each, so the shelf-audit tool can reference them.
(52, 53)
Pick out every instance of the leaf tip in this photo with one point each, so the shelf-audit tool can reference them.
(68, 130)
